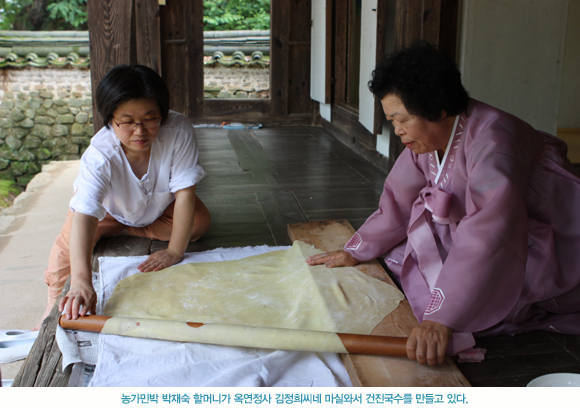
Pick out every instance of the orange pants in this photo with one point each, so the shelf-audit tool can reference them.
(58, 269)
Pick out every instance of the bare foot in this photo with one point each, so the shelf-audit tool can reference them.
(44, 316)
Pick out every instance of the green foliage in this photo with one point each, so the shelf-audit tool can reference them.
(38, 15)
(73, 12)
(72, 15)
(10, 11)
(8, 190)
(226, 15)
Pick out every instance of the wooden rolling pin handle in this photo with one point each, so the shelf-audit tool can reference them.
(90, 323)
(374, 345)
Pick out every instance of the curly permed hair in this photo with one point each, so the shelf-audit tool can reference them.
(425, 79)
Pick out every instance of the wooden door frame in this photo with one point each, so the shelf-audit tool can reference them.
(275, 110)
(287, 39)
(181, 54)
(435, 21)
(169, 39)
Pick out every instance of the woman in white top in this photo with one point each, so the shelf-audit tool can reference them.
(139, 173)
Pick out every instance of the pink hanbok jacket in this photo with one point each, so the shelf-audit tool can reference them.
(489, 242)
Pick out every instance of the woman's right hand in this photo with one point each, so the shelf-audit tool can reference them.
(332, 259)
(80, 294)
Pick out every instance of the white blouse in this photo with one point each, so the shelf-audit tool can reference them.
(106, 183)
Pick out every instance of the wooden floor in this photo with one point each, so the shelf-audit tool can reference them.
(261, 180)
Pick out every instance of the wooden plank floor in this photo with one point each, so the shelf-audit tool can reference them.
(261, 180)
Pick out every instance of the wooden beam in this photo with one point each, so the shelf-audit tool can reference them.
(195, 51)
(408, 22)
(181, 25)
(353, 56)
(382, 19)
(279, 54)
(340, 51)
(43, 365)
(431, 21)
(173, 49)
(147, 34)
(448, 28)
(328, 51)
(236, 110)
(418, 20)
(299, 46)
(109, 23)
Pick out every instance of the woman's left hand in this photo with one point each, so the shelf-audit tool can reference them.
(428, 342)
(332, 259)
(160, 260)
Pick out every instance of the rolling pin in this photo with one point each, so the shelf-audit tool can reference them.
(353, 343)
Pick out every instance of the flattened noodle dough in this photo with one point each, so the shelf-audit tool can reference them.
(277, 289)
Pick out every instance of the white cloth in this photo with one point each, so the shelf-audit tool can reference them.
(125, 361)
(107, 184)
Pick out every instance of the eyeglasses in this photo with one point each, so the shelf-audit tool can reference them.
(131, 126)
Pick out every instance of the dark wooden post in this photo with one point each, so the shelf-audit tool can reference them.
(279, 33)
(109, 23)
(182, 54)
(147, 34)
(382, 12)
(434, 21)
(299, 102)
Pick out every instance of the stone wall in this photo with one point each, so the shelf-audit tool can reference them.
(222, 81)
(45, 114)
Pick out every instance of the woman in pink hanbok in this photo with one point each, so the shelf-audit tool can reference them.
(478, 219)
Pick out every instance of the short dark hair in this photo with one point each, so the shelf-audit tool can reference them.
(426, 80)
(127, 82)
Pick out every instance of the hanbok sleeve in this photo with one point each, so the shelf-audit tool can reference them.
(185, 169)
(482, 277)
(91, 185)
(387, 226)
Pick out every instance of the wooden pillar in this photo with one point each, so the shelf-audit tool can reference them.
(121, 32)
(434, 21)
(382, 28)
(147, 34)
(339, 58)
(298, 61)
(417, 20)
(448, 27)
(109, 23)
(279, 37)
(182, 54)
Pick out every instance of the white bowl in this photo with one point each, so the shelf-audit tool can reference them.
(7, 383)
(556, 380)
